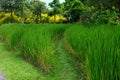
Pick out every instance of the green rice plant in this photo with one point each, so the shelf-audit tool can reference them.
(15, 39)
(97, 49)
(11, 34)
(37, 47)
(36, 42)
(101, 56)
(4, 30)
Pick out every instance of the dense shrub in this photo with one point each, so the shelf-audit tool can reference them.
(45, 18)
(106, 16)
(6, 17)
(29, 19)
(59, 19)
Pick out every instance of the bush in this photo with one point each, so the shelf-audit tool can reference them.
(45, 18)
(29, 19)
(59, 19)
(6, 18)
(107, 16)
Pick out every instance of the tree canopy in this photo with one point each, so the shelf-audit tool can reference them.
(56, 8)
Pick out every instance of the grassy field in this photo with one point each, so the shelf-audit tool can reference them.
(66, 51)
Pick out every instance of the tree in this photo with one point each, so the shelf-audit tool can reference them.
(74, 8)
(0, 5)
(103, 3)
(11, 6)
(101, 9)
(39, 8)
(56, 7)
(20, 8)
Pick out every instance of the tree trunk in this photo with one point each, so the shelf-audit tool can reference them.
(11, 16)
(22, 16)
(37, 20)
(54, 18)
(40, 18)
(40, 15)
(22, 13)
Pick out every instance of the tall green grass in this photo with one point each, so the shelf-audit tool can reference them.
(97, 49)
(8, 34)
(36, 42)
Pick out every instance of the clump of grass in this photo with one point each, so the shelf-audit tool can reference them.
(37, 47)
(97, 48)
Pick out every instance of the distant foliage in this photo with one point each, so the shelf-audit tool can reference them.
(6, 17)
(106, 16)
(45, 18)
(76, 11)
(59, 19)
(93, 11)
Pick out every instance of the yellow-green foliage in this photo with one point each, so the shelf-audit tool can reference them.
(45, 17)
(6, 17)
(59, 19)
(29, 19)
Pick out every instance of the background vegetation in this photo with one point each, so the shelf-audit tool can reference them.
(82, 11)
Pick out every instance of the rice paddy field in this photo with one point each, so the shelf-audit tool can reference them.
(65, 51)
